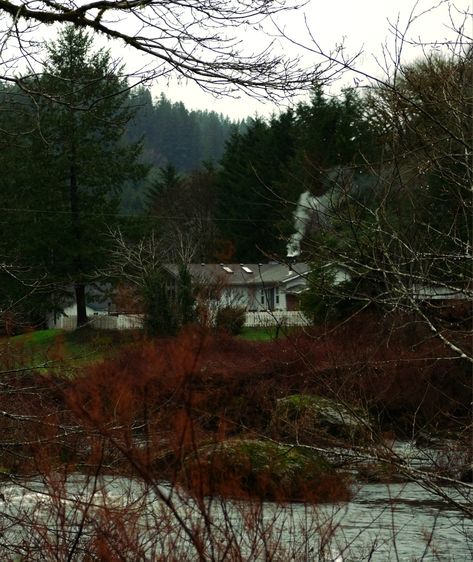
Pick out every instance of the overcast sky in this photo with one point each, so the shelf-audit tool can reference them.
(363, 25)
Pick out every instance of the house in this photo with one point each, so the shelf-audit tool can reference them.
(268, 292)
(65, 315)
(256, 287)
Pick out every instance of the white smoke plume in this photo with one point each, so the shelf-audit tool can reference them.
(307, 206)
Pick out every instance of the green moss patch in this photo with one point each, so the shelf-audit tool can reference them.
(312, 419)
(247, 468)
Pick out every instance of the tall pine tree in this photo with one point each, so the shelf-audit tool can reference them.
(250, 207)
(75, 163)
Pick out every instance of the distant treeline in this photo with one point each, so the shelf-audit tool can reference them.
(173, 134)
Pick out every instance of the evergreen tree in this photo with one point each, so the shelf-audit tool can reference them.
(332, 132)
(250, 207)
(75, 163)
(162, 187)
(266, 167)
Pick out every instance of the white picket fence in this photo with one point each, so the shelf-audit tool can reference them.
(104, 322)
(276, 318)
(135, 321)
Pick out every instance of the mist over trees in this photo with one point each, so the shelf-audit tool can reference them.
(172, 135)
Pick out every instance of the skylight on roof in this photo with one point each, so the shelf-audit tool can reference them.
(246, 269)
(227, 269)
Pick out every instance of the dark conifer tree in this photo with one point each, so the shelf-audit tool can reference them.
(74, 163)
(250, 209)
(162, 187)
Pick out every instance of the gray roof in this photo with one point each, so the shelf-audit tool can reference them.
(242, 273)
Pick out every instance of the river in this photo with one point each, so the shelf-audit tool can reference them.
(382, 523)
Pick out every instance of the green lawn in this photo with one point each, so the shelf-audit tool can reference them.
(261, 333)
(65, 352)
(38, 338)
(58, 350)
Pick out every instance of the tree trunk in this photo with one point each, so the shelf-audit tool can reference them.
(80, 302)
(76, 225)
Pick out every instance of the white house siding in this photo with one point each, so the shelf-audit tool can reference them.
(235, 296)
(341, 276)
(296, 285)
(253, 298)
(429, 292)
(64, 318)
(255, 287)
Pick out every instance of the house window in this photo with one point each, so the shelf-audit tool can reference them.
(262, 296)
(276, 295)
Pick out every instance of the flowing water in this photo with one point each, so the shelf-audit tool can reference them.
(404, 522)
(382, 523)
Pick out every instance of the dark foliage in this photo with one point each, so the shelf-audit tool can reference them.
(231, 319)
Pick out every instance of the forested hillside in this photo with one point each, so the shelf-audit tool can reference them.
(172, 134)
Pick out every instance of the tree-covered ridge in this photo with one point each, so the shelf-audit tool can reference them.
(174, 135)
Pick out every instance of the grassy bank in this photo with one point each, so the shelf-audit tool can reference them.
(267, 333)
(59, 349)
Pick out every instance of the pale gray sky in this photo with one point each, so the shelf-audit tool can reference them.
(362, 25)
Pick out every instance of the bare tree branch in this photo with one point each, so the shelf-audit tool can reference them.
(197, 40)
